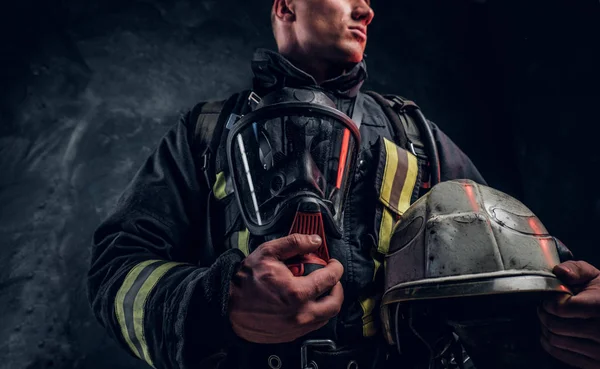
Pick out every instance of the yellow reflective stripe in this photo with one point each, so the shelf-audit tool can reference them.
(219, 186)
(120, 301)
(243, 241)
(391, 165)
(140, 301)
(367, 306)
(409, 183)
(385, 231)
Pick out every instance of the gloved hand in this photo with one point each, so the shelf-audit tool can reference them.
(571, 324)
(267, 304)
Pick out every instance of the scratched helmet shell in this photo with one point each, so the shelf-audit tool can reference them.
(467, 242)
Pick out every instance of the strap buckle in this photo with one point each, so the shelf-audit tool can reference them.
(401, 104)
(204, 169)
(233, 118)
(313, 343)
(253, 100)
(412, 148)
(205, 159)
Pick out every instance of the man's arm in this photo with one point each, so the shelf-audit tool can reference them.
(144, 284)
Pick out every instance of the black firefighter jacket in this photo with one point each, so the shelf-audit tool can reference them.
(147, 284)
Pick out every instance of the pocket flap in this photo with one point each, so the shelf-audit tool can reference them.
(397, 174)
(396, 183)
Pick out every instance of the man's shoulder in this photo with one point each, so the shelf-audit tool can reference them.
(218, 104)
(204, 111)
(203, 117)
(211, 106)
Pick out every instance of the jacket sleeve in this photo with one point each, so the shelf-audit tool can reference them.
(454, 164)
(144, 283)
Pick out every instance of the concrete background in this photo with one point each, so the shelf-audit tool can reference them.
(88, 89)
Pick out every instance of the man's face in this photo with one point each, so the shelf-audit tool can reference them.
(335, 30)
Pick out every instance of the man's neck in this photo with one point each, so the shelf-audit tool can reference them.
(320, 70)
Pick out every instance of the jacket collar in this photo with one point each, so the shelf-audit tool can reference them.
(272, 70)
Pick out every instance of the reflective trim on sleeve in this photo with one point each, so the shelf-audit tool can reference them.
(119, 306)
(131, 299)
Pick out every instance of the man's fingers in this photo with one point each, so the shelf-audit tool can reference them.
(570, 327)
(576, 272)
(583, 305)
(318, 282)
(582, 278)
(571, 358)
(293, 245)
(315, 314)
(329, 306)
(581, 346)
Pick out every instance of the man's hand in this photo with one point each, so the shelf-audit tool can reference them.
(571, 324)
(268, 304)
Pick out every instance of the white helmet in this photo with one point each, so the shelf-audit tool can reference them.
(463, 257)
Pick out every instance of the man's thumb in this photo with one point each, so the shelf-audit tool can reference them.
(575, 272)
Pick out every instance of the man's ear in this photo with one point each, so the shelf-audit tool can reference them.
(284, 10)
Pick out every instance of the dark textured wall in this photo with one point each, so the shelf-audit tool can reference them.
(88, 89)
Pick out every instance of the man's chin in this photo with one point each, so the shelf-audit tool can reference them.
(354, 53)
(346, 56)
(350, 56)
(355, 58)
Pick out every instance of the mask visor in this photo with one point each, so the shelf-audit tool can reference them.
(279, 157)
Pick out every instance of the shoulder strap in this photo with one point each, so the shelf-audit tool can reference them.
(206, 129)
(402, 107)
(412, 130)
(406, 131)
(210, 119)
(205, 120)
(398, 129)
(423, 134)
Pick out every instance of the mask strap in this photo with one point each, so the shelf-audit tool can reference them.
(358, 110)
